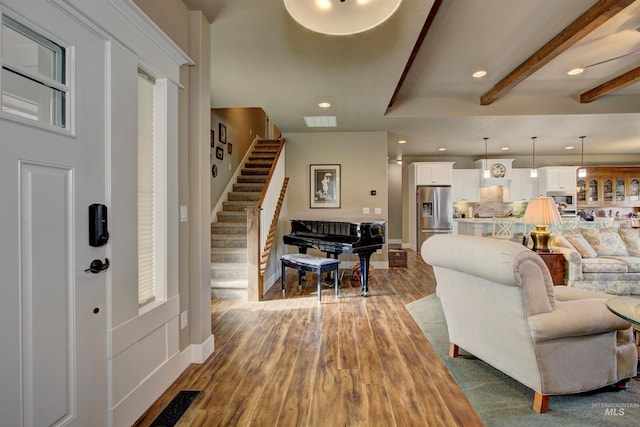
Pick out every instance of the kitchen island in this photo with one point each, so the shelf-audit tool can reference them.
(483, 226)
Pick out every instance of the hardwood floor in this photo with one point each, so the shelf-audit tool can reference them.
(349, 361)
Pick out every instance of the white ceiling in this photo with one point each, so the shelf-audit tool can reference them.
(262, 58)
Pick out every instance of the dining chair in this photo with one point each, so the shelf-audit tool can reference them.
(603, 221)
(502, 228)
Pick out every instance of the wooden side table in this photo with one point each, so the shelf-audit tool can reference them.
(555, 264)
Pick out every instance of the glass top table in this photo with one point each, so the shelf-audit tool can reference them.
(627, 307)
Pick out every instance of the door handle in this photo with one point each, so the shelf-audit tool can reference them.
(97, 266)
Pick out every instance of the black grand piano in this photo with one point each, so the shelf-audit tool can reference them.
(335, 238)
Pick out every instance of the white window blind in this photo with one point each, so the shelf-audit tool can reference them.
(146, 190)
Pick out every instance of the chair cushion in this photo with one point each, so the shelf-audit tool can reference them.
(631, 238)
(309, 260)
(605, 241)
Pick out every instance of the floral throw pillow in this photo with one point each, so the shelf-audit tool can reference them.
(580, 243)
(606, 242)
(631, 238)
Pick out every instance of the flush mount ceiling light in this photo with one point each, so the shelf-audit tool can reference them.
(324, 105)
(505, 148)
(479, 73)
(402, 141)
(341, 17)
(321, 121)
(442, 149)
(580, 70)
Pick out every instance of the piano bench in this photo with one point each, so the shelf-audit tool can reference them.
(314, 264)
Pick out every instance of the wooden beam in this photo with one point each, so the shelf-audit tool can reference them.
(595, 16)
(623, 80)
(416, 48)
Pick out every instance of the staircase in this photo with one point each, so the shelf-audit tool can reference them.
(229, 233)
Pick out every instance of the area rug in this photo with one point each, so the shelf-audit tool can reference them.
(502, 401)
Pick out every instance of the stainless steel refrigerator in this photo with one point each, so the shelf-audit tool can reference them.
(434, 211)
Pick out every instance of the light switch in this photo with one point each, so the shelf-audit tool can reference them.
(366, 211)
(183, 213)
(378, 210)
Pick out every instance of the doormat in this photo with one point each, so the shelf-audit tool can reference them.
(175, 409)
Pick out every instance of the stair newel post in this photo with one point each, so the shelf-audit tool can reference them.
(254, 279)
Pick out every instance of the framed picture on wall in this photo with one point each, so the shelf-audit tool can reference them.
(219, 153)
(229, 148)
(212, 139)
(222, 133)
(325, 186)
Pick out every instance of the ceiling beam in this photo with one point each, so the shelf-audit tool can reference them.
(623, 80)
(595, 16)
(416, 48)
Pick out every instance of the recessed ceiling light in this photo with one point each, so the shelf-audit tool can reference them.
(575, 71)
(324, 105)
(479, 73)
(505, 148)
(402, 141)
(569, 147)
(442, 149)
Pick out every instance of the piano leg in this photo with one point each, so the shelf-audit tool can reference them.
(364, 272)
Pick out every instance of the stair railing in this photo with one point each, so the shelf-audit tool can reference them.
(259, 222)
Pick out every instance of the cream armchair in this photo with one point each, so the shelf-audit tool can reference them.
(501, 306)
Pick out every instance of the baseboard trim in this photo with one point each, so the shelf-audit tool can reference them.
(198, 353)
(129, 409)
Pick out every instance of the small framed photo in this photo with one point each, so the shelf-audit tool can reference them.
(222, 133)
(212, 139)
(219, 153)
(214, 171)
(325, 186)
(229, 148)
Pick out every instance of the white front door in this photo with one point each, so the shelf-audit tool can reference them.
(52, 312)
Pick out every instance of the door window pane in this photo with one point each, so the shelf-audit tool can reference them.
(33, 75)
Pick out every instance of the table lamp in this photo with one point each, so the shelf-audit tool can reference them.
(541, 212)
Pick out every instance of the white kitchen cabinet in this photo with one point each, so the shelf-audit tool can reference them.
(466, 185)
(522, 187)
(439, 173)
(557, 178)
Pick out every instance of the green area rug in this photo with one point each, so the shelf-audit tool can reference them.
(502, 401)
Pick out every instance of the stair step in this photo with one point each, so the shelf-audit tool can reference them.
(245, 179)
(261, 156)
(255, 171)
(229, 227)
(228, 271)
(232, 216)
(235, 255)
(229, 241)
(239, 196)
(248, 187)
(237, 205)
(258, 164)
(229, 293)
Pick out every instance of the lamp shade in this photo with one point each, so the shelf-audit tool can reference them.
(341, 17)
(542, 211)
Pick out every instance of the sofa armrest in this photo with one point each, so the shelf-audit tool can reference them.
(575, 318)
(570, 255)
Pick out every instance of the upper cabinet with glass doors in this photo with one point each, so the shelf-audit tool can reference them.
(609, 186)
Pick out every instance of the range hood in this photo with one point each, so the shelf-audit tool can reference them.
(501, 182)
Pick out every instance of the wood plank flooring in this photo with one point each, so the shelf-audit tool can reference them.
(349, 361)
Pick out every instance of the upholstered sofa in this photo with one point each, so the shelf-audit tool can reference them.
(601, 259)
(501, 306)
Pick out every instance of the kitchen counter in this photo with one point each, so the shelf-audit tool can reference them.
(482, 226)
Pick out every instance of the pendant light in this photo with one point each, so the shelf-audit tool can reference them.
(486, 173)
(534, 172)
(582, 172)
